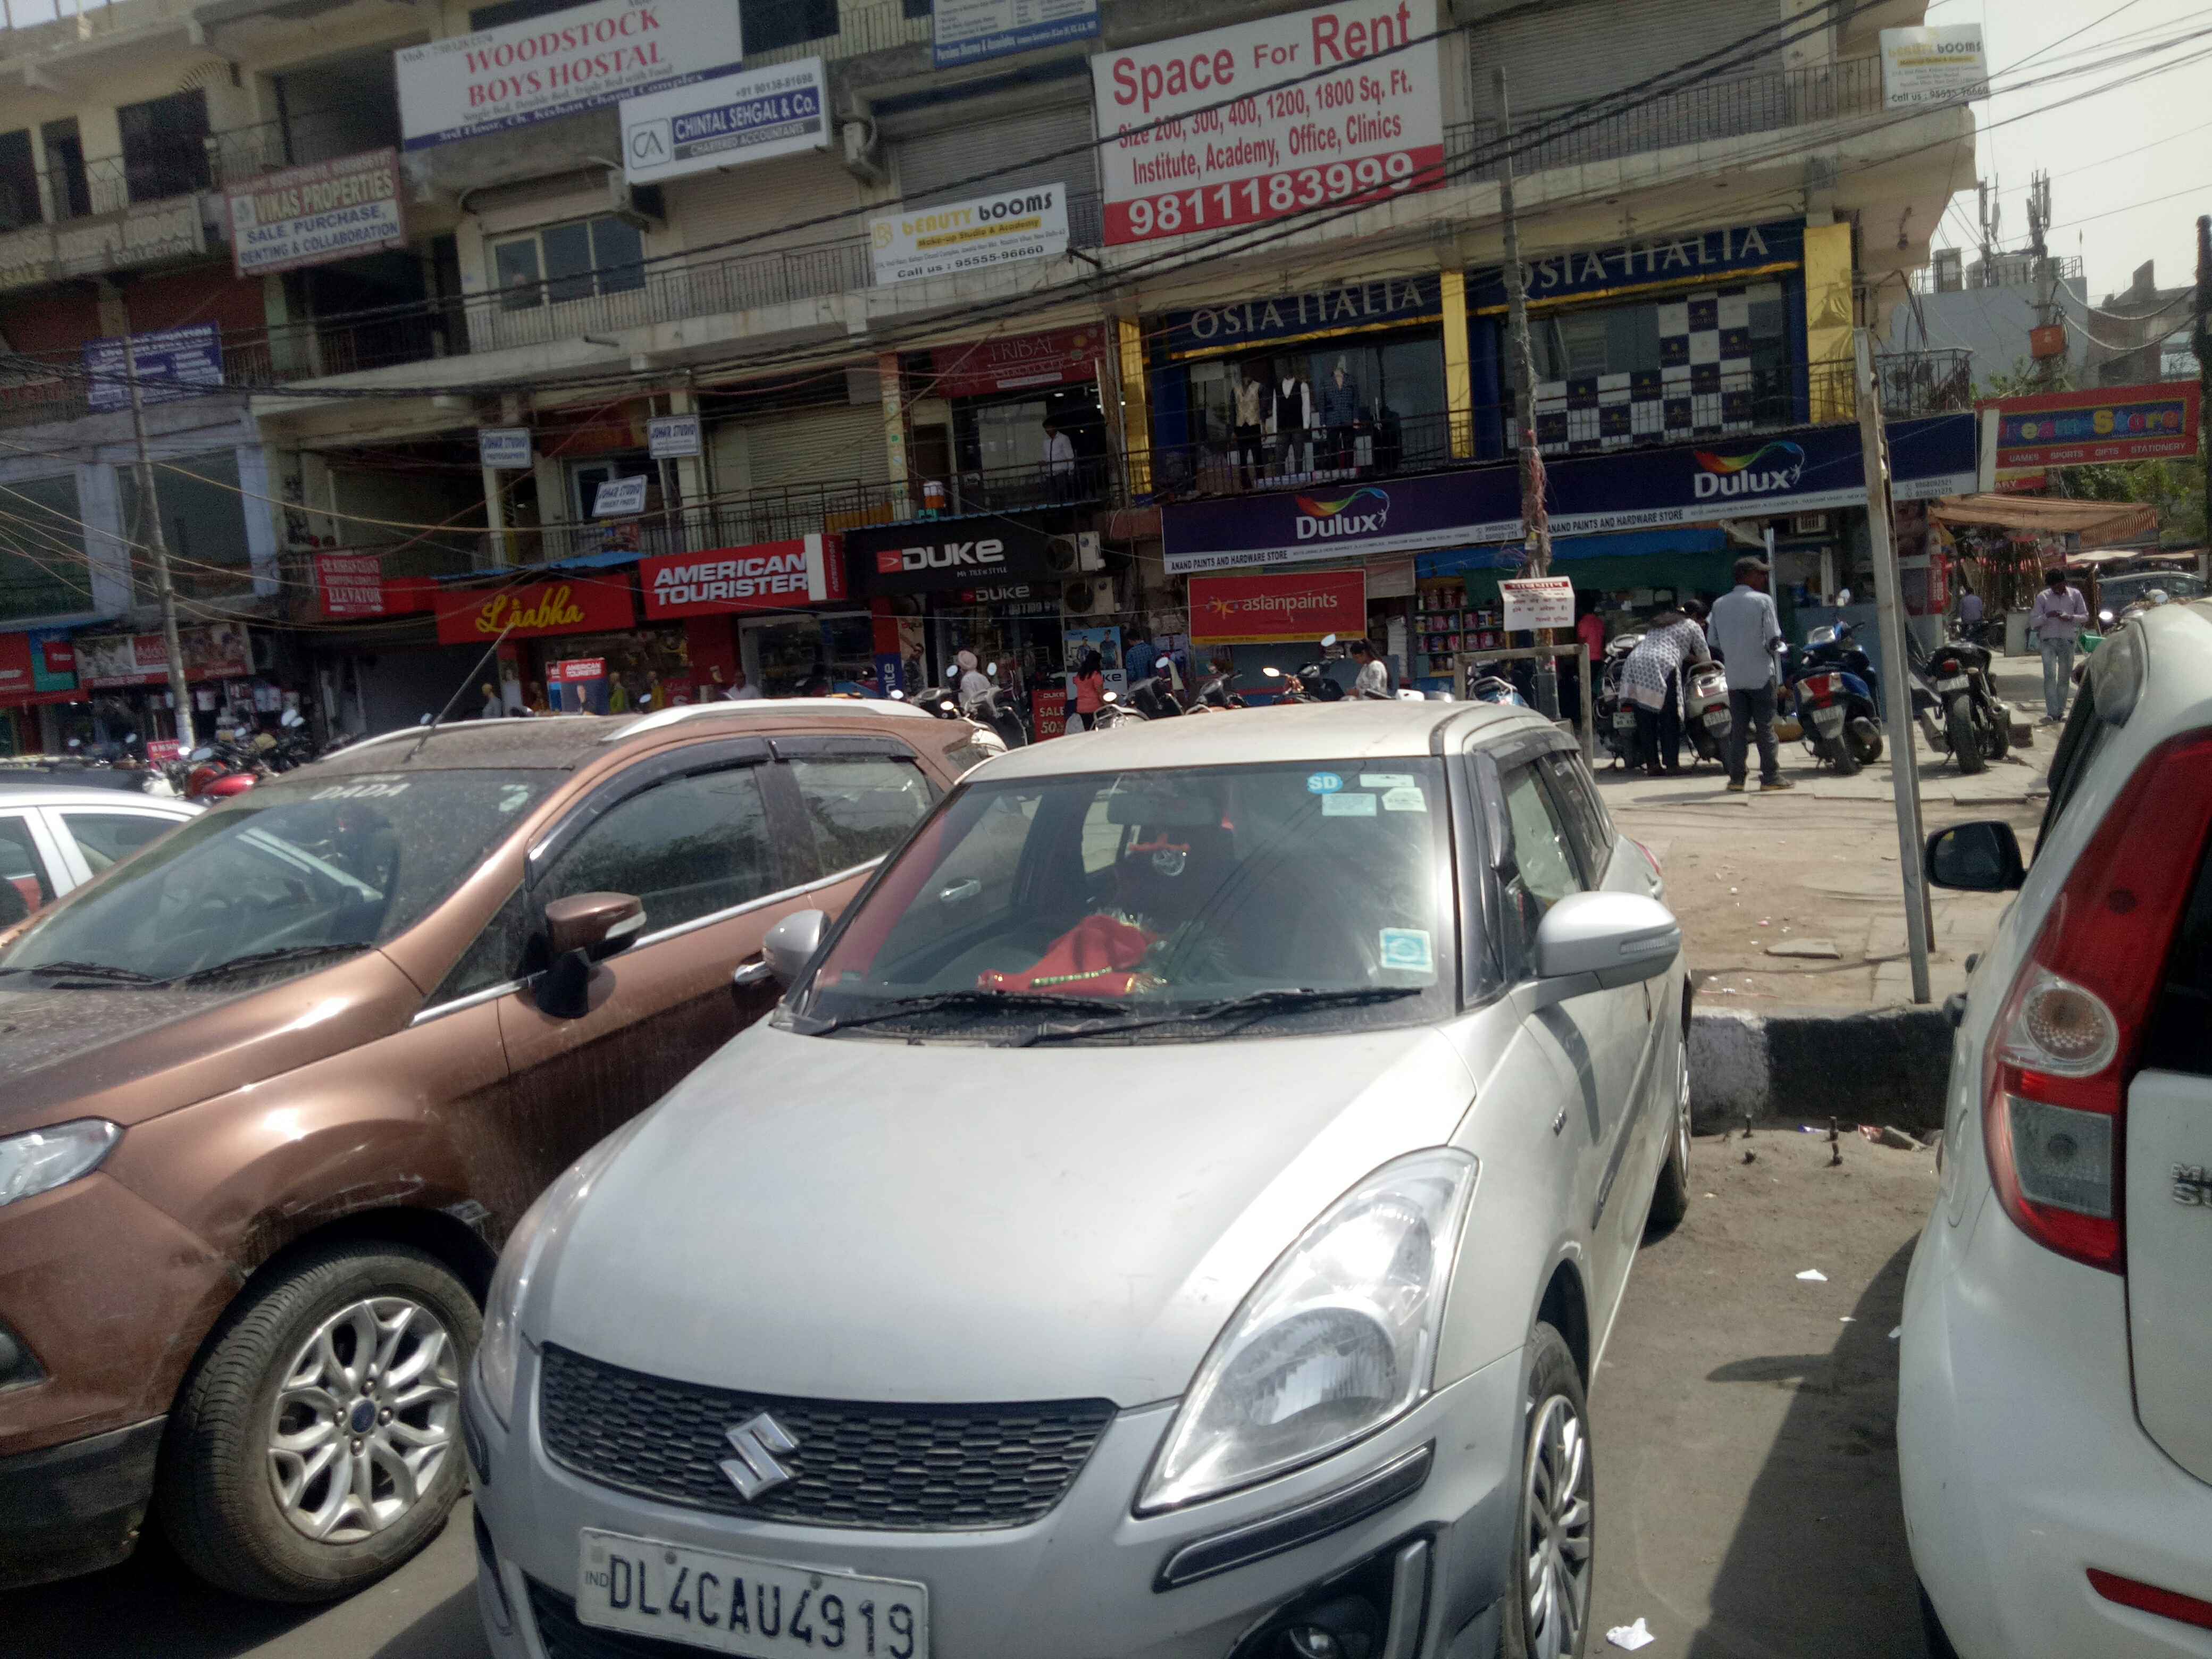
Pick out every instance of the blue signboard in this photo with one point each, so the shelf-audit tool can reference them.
(969, 31)
(170, 364)
(1392, 302)
(1737, 251)
(1750, 477)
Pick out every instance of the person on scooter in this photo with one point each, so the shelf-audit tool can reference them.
(1745, 632)
(1652, 680)
(974, 689)
(1374, 677)
(1154, 697)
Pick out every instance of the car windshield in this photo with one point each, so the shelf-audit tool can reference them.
(1181, 905)
(290, 877)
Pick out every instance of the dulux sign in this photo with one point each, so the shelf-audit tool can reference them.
(1766, 470)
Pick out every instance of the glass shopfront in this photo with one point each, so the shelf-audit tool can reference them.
(645, 668)
(787, 655)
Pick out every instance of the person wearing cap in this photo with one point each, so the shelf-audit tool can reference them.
(1745, 631)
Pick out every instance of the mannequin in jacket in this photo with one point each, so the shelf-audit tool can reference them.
(1340, 413)
(1251, 411)
(1290, 417)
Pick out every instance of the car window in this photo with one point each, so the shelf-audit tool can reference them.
(688, 848)
(1587, 822)
(1103, 841)
(2180, 1035)
(2079, 741)
(1542, 871)
(107, 839)
(496, 956)
(860, 806)
(22, 869)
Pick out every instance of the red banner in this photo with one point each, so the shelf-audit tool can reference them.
(598, 605)
(766, 576)
(352, 584)
(1053, 359)
(1277, 609)
(2112, 423)
(16, 680)
(577, 669)
(1048, 713)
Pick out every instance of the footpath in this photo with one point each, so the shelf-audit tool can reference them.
(1793, 915)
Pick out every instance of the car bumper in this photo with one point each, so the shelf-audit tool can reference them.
(75, 1507)
(1082, 1583)
(2020, 1461)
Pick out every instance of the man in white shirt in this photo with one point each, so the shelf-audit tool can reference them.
(2056, 623)
(1745, 629)
(1059, 460)
(742, 690)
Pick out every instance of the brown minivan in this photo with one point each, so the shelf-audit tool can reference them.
(277, 1088)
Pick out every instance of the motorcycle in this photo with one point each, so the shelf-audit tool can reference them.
(1706, 719)
(1952, 686)
(1218, 691)
(1832, 690)
(1113, 712)
(218, 770)
(1490, 689)
(1002, 715)
(1616, 717)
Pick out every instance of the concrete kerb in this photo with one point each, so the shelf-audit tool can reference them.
(1878, 1065)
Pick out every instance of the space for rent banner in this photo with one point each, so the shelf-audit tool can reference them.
(1225, 128)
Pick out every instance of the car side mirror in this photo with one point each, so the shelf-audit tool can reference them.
(1983, 857)
(580, 930)
(1605, 940)
(791, 943)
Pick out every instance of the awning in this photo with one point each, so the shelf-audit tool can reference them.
(2103, 521)
(1634, 544)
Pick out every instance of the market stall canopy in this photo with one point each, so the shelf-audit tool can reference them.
(2103, 521)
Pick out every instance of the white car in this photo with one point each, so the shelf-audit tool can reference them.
(2054, 1430)
(54, 839)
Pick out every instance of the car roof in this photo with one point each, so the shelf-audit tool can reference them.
(1366, 729)
(13, 796)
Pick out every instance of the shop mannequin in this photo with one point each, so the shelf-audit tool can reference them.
(1290, 416)
(1340, 413)
(1251, 406)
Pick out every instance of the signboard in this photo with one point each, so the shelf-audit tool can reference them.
(1534, 602)
(1048, 715)
(969, 31)
(504, 449)
(2112, 423)
(15, 657)
(218, 651)
(671, 437)
(53, 660)
(1923, 67)
(1733, 251)
(351, 584)
(768, 576)
(577, 670)
(586, 58)
(619, 498)
(170, 363)
(726, 122)
(945, 555)
(601, 604)
(310, 215)
(1077, 643)
(1012, 365)
(991, 230)
(1391, 302)
(1370, 126)
(1275, 610)
(150, 233)
(164, 751)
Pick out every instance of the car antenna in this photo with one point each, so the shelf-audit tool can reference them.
(491, 652)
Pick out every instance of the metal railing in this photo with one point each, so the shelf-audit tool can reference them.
(884, 26)
(324, 135)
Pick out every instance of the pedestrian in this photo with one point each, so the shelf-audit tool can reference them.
(742, 690)
(494, 708)
(1745, 631)
(1374, 678)
(1970, 610)
(1652, 679)
(2060, 611)
(1059, 460)
(975, 689)
(1090, 691)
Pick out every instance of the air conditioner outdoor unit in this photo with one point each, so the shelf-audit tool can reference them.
(1069, 556)
(1091, 596)
(1809, 523)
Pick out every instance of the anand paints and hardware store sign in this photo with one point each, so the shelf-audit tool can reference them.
(584, 58)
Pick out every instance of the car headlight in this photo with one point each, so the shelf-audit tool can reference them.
(499, 1353)
(1338, 1338)
(46, 1158)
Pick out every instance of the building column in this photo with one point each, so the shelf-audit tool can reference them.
(263, 542)
(1459, 382)
(1136, 403)
(1828, 319)
(100, 505)
(894, 395)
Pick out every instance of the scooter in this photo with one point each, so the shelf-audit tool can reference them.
(218, 770)
(1616, 718)
(1952, 687)
(1490, 689)
(1001, 715)
(1706, 719)
(1831, 689)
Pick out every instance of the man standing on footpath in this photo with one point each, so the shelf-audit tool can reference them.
(2059, 613)
(1745, 630)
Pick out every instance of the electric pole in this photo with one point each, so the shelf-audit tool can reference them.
(2039, 223)
(2202, 341)
(1535, 523)
(157, 547)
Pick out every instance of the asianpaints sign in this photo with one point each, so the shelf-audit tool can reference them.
(1277, 609)
(514, 75)
(594, 605)
(768, 576)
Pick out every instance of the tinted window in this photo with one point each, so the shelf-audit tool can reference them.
(689, 847)
(2078, 742)
(860, 806)
(1543, 870)
(107, 839)
(2180, 1038)
(1586, 820)
(22, 869)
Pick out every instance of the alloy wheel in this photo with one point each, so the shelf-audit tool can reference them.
(1555, 1497)
(1682, 1109)
(363, 1418)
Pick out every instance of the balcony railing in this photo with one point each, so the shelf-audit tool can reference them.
(325, 135)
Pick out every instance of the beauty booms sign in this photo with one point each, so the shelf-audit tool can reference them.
(468, 85)
(766, 576)
(1203, 131)
(596, 604)
(1277, 609)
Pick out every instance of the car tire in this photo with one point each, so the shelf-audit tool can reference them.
(1670, 1200)
(1965, 740)
(1555, 1531)
(340, 1376)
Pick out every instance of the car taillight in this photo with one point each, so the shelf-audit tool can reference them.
(2062, 1050)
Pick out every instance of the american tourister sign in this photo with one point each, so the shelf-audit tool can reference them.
(766, 576)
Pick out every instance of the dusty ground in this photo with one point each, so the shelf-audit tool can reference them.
(1815, 869)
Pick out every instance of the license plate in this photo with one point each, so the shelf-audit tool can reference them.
(1828, 720)
(1956, 683)
(735, 1604)
(1717, 722)
(1623, 722)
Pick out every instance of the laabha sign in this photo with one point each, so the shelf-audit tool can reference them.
(596, 605)
(1277, 609)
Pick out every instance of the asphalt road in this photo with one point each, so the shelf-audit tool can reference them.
(1747, 1473)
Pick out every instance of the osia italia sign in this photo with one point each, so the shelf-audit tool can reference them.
(519, 74)
(593, 605)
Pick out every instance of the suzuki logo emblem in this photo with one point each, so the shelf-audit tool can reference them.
(754, 1470)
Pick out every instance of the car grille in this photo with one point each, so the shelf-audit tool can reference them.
(912, 1469)
(563, 1636)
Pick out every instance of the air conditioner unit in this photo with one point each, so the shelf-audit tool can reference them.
(1089, 596)
(1069, 556)
(1809, 524)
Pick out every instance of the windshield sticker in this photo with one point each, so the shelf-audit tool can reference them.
(513, 799)
(1388, 780)
(1407, 797)
(1408, 949)
(1324, 783)
(1347, 806)
(370, 791)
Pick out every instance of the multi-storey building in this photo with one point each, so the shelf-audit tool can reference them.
(457, 287)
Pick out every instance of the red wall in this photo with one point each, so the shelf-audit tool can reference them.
(56, 323)
(204, 294)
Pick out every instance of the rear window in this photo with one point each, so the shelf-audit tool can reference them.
(2079, 742)
(2180, 1037)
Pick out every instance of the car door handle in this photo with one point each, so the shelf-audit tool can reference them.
(753, 972)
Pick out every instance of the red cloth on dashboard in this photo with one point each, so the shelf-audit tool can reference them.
(1094, 958)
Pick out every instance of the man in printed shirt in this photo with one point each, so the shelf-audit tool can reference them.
(2056, 621)
(1652, 680)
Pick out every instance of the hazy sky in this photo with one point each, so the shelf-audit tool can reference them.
(2104, 154)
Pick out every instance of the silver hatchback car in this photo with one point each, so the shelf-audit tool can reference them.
(1175, 1211)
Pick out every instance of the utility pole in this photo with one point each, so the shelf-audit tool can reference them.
(1896, 672)
(2202, 341)
(1536, 522)
(157, 546)
(2047, 281)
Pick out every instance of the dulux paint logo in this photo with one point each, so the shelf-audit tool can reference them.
(1777, 466)
(1318, 518)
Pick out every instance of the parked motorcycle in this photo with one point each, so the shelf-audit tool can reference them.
(1831, 687)
(218, 770)
(1706, 718)
(1957, 710)
(1616, 716)
(1490, 689)
(1002, 715)
(1113, 712)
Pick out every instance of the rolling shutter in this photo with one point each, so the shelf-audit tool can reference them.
(1562, 55)
(814, 446)
(930, 164)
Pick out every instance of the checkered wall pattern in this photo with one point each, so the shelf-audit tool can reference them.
(1703, 387)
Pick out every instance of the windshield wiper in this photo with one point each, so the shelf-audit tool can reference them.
(266, 958)
(969, 998)
(1239, 1011)
(89, 970)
